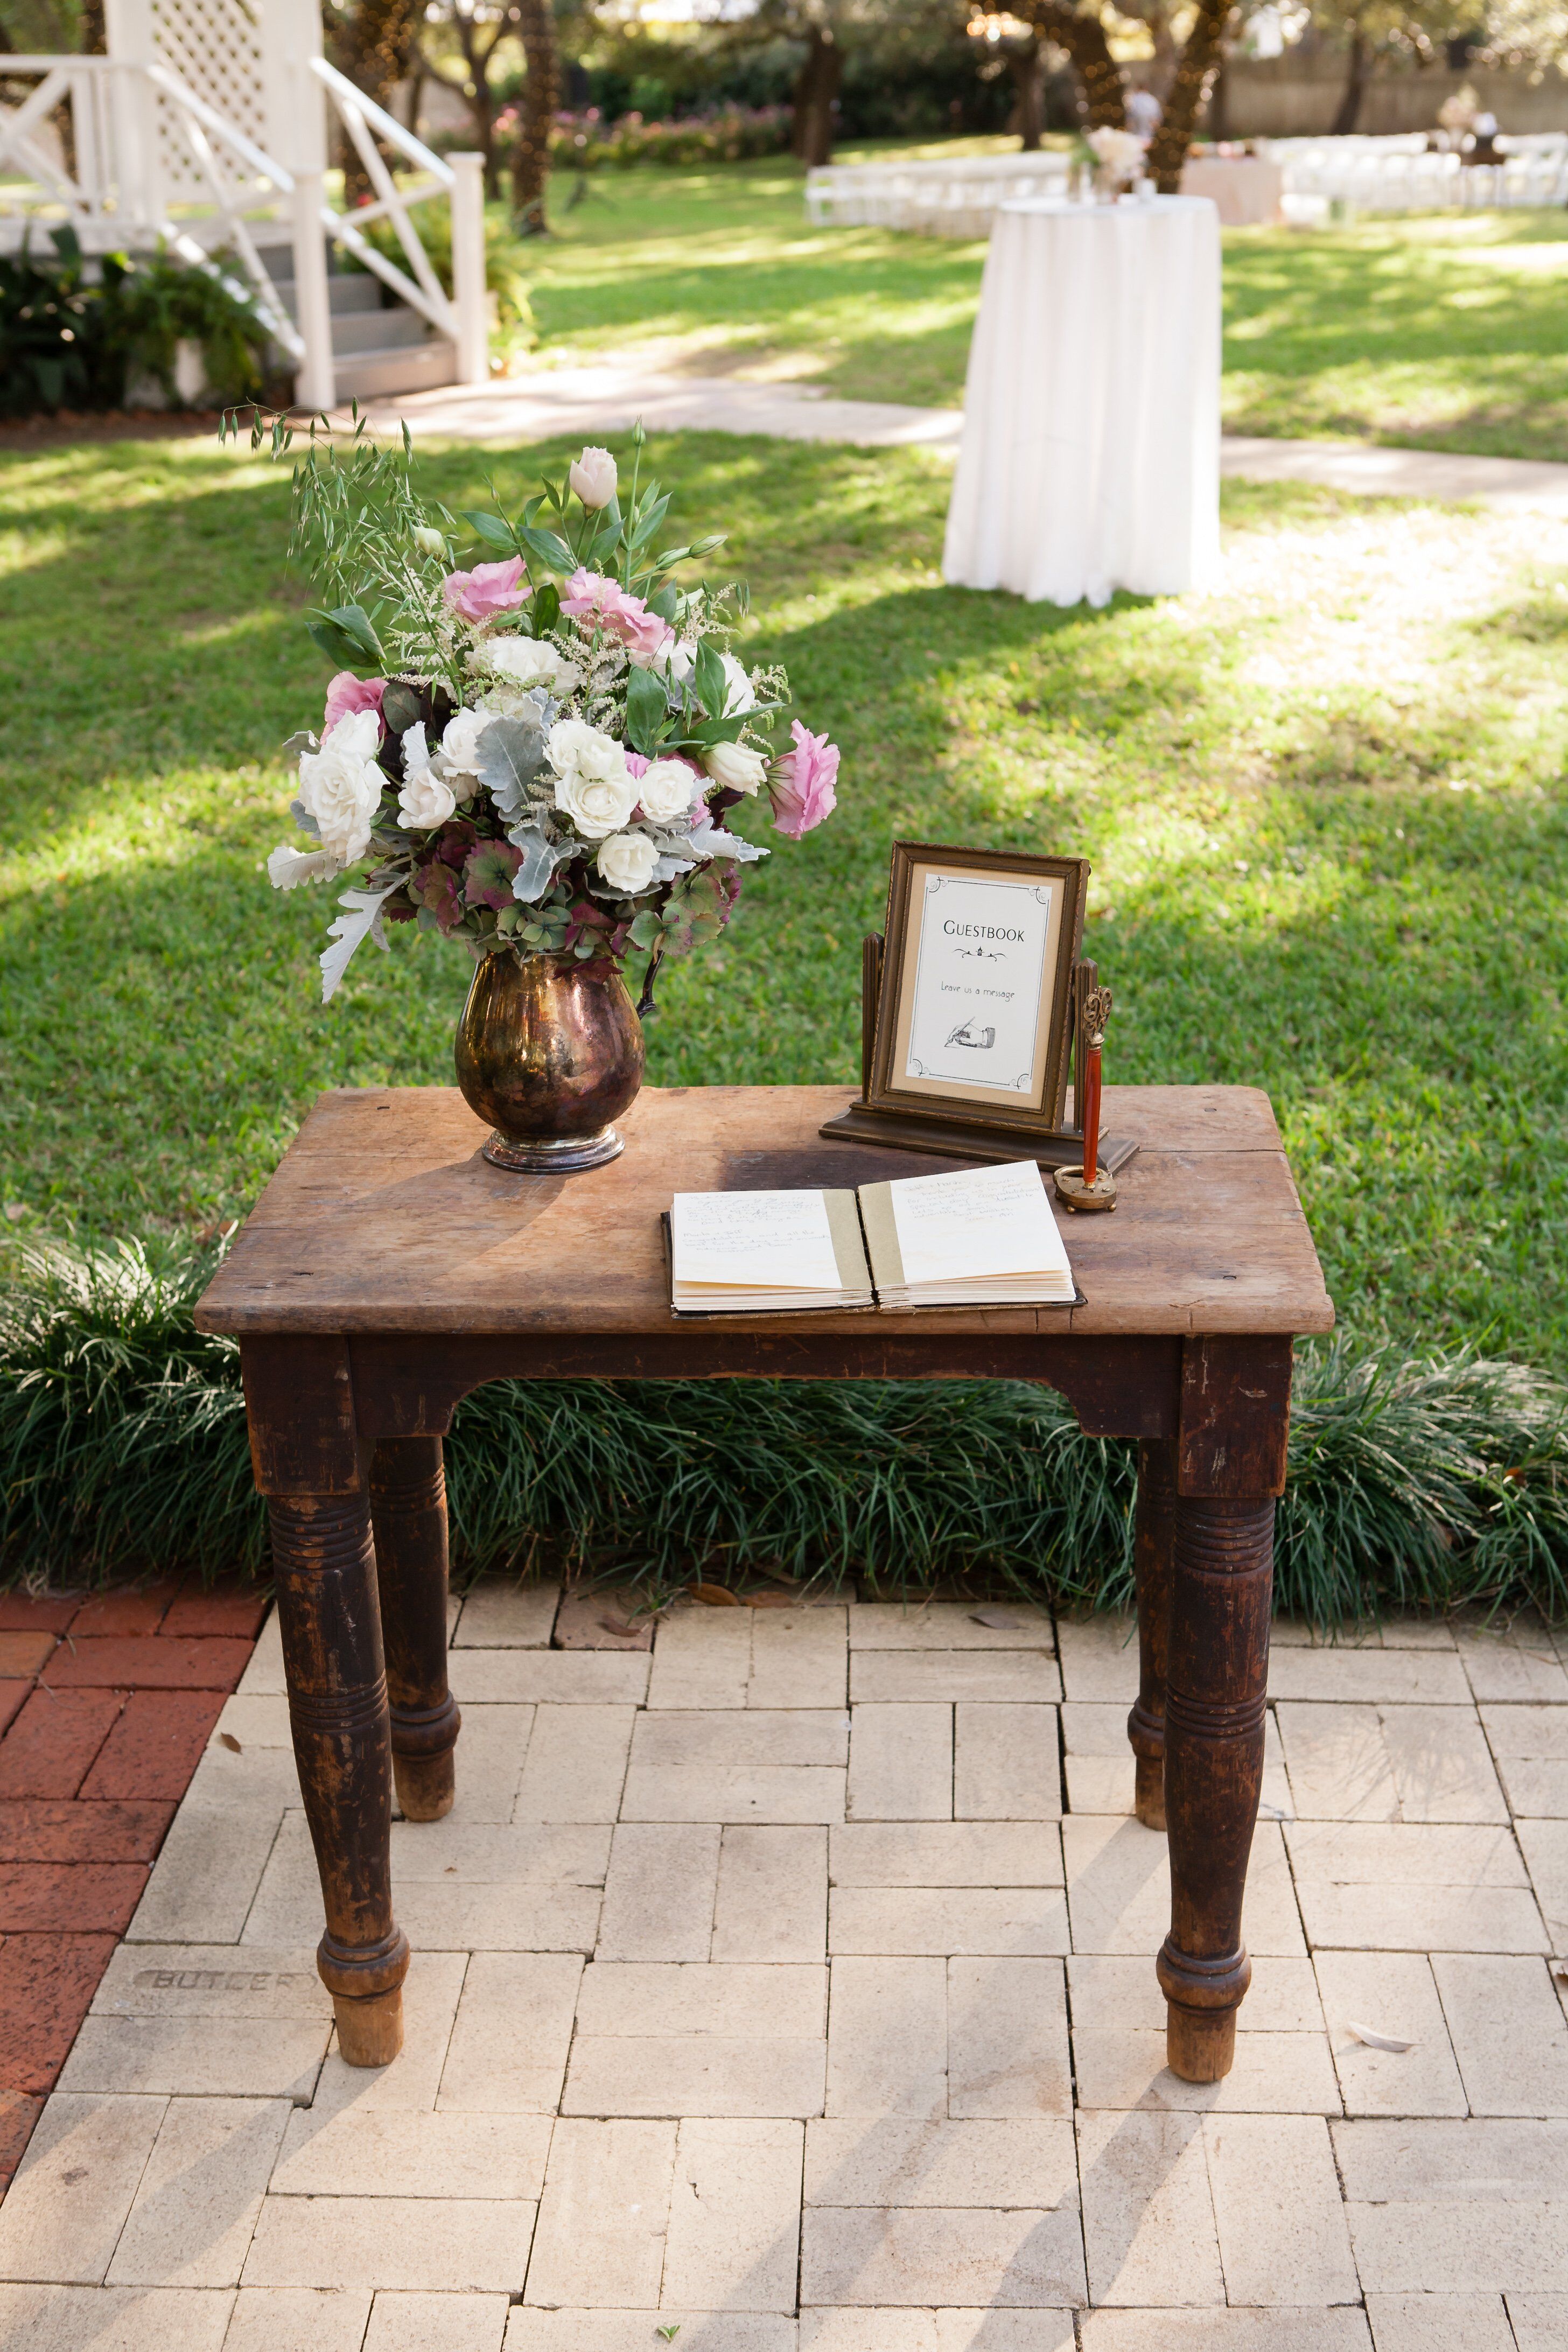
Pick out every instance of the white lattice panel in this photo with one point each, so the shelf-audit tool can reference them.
(216, 47)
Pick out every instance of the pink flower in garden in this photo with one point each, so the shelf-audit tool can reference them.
(803, 788)
(487, 590)
(591, 597)
(347, 693)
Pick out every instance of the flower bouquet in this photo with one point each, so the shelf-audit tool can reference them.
(537, 754)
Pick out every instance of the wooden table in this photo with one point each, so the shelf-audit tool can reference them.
(388, 1269)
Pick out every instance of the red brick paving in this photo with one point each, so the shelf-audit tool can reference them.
(70, 1898)
(116, 1662)
(46, 1985)
(24, 1653)
(107, 1703)
(232, 1608)
(34, 1829)
(33, 1613)
(135, 1608)
(49, 1749)
(155, 1746)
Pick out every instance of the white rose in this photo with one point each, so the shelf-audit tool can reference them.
(593, 787)
(735, 766)
(288, 867)
(627, 862)
(428, 541)
(341, 785)
(524, 661)
(460, 748)
(594, 478)
(738, 692)
(666, 789)
(427, 799)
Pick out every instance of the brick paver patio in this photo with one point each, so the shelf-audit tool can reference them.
(790, 1989)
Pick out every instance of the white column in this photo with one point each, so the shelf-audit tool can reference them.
(296, 100)
(132, 113)
(468, 295)
(315, 384)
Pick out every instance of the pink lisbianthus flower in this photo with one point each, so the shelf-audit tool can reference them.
(487, 590)
(802, 785)
(604, 603)
(347, 694)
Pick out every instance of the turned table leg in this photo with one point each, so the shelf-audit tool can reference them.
(408, 1510)
(1216, 1690)
(1154, 1534)
(325, 1571)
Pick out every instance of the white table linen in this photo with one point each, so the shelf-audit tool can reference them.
(1090, 452)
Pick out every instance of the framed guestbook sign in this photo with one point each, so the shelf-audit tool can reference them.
(970, 1005)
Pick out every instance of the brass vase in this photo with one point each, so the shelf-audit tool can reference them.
(549, 1051)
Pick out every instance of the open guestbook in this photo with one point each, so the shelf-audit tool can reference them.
(977, 1237)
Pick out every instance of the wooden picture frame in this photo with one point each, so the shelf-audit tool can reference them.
(972, 932)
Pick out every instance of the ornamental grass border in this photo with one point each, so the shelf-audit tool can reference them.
(1424, 1481)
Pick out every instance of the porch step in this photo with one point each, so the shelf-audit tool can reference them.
(420, 367)
(376, 349)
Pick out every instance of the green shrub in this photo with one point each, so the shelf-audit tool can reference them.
(584, 141)
(1426, 1482)
(74, 333)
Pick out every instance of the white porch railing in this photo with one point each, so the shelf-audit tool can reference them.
(233, 192)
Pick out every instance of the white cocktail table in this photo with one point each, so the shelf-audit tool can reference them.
(1090, 453)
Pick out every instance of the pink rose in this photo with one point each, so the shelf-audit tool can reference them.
(488, 589)
(591, 597)
(803, 788)
(347, 693)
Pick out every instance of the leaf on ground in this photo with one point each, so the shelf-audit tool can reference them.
(226, 1740)
(1378, 2040)
(998, 1618)
(669, 2334)
(716, 1596)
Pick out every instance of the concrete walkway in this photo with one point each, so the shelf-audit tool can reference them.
(791, 1988)
(599, 401)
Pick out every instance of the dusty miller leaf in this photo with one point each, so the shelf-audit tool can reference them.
(361, 922)
(511, 755)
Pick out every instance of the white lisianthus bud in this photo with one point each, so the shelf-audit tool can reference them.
(593, 476)
(627, 862)
(341, 785)
(738, 692)
(592, 786)
(428, 541)
(735, 766)
(666, 789)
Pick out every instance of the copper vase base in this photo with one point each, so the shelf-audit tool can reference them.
(543, 1158)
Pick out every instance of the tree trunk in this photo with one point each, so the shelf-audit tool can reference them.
(1027, 69)
(1200, 54)
(377, 41)
(1345, 121)
(1083, 39)
(541, 96)
(816, 87)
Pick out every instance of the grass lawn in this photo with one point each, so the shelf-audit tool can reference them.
(1326, 810)
(1442, 332)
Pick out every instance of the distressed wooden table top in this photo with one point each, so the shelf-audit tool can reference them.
(384, 1217)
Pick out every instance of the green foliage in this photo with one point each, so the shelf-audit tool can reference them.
(1429, 1481)
(583, 143)
(75, 334)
